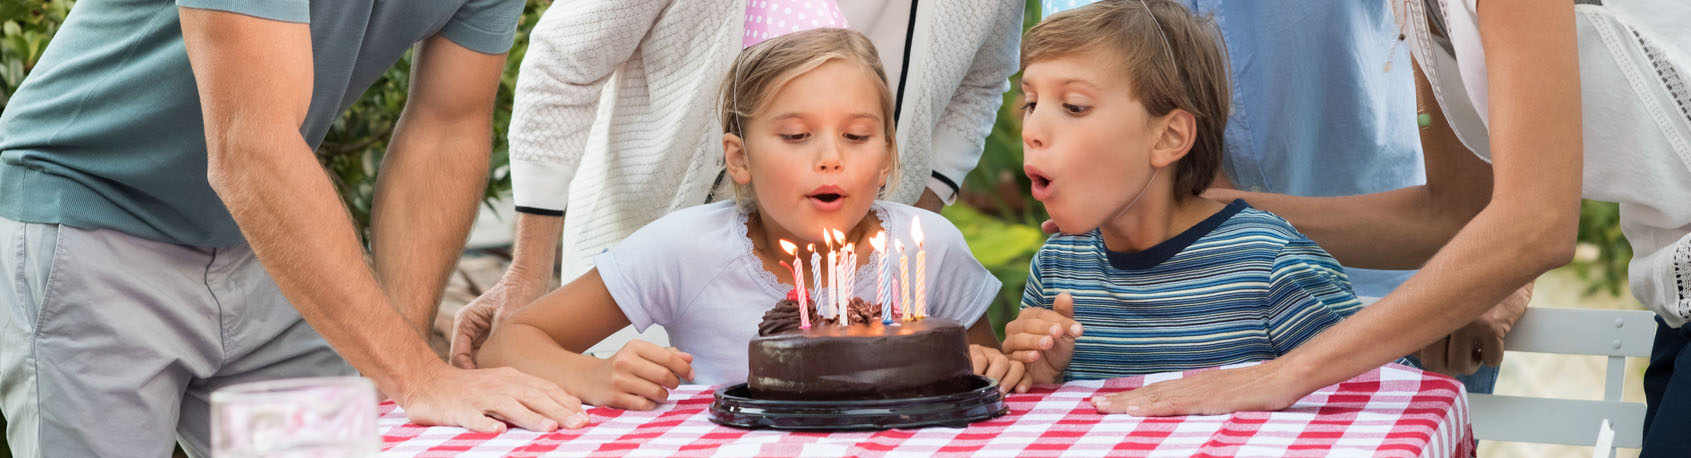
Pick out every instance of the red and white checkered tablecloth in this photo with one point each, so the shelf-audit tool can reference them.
(1390, 411)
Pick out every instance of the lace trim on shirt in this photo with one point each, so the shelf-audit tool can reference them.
(1670, 77)
(1682, 277)
(768, 280)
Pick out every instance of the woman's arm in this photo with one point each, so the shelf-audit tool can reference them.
(546, 339)
(1401, 228)
(1527, 228)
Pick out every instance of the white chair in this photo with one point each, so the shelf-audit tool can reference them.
(1617, 334)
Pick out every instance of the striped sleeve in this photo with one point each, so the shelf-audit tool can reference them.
(1308, 292)
(1033, 293)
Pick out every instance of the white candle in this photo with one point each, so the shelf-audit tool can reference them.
(883, 276)
(903, 279)
(816, 276)
(842, 291)
(851, 274)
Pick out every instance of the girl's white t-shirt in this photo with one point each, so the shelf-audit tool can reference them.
(694, 273)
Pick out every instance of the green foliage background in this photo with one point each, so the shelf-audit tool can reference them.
(998, 215)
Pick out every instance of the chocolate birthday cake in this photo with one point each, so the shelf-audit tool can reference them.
(862, 360)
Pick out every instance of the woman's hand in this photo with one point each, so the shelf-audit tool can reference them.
(476, 320)
(1044, 339)
(1480, 342)
(638, 377)
(1260, 387)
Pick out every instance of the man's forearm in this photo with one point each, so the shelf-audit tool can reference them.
(426, 198)
(288, 211)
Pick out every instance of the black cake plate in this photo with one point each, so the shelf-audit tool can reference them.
(734, 406)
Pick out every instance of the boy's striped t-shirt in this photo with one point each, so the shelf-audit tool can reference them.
(1240, 286)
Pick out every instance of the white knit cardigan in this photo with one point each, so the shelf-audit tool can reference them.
(657, 147)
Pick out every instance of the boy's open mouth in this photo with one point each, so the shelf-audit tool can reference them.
(1041, 183)
(826, 197)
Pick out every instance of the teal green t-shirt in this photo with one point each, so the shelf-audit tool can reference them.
(105, 133)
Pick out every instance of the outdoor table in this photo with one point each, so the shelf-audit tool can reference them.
(1390, 411)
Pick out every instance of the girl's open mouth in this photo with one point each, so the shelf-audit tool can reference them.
(827, 198)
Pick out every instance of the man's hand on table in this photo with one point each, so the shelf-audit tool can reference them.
(1480, 342)
(638, 377)
(484, 400)
(1044, 339)
(1010, 374)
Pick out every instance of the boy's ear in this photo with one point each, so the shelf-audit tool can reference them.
(1176, 133)
(734, 154)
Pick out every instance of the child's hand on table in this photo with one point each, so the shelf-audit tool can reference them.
(638, 377)
(1010, 374)
(1044, 339)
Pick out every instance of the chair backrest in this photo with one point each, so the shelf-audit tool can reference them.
(1616, 334)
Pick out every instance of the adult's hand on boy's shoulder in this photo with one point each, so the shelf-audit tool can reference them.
(1044, 339)
(638, 377)
(1010, 374)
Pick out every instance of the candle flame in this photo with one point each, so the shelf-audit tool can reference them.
(898, 245)
(827, 238)
(839, 236)
(789, 247)
(811, 247)
(879, 242)
(916, 229)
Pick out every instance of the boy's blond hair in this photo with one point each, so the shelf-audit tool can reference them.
(761, 70)
(1189, 72)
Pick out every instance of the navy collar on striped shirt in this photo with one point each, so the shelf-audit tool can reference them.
(1151, 257)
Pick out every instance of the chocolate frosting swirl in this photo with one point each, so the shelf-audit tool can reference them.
(784, 317)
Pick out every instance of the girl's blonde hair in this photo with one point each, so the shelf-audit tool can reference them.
(761, 70)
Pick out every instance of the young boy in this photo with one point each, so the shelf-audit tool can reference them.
(1126, 102)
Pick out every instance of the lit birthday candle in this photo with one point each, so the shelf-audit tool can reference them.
(798, 282)
(842, 294)
(833, 270)
(883, 294)
(921, 289)
(903, 279)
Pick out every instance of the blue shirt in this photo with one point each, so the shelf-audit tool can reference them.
(106, 132)
(1240, 286)
(1314, 111)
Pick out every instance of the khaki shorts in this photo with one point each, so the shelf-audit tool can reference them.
(111, 345)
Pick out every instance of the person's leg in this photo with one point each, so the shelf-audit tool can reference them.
(1667, 394)
(265, 338)
(104, 332)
